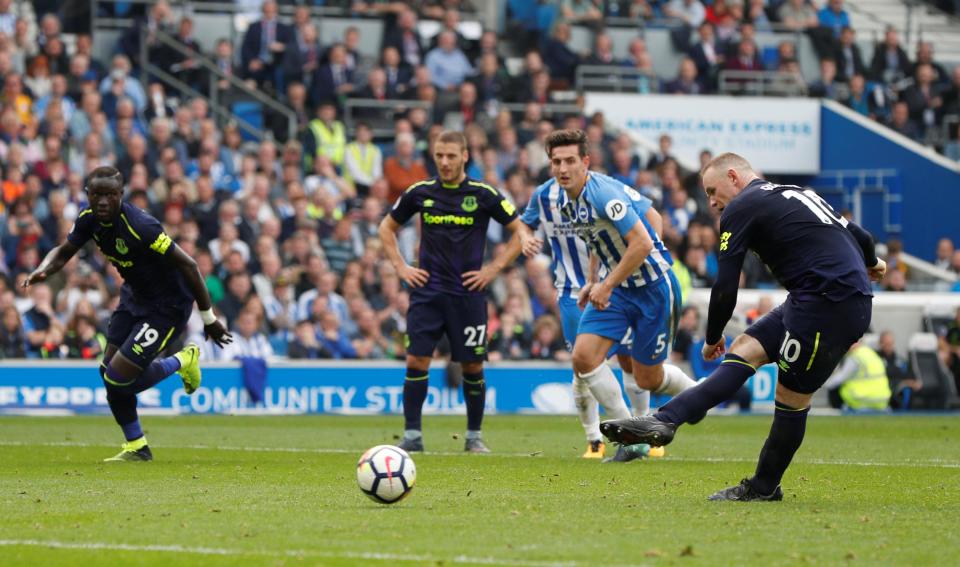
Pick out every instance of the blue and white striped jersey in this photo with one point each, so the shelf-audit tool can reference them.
(569, 255)
(604, 212)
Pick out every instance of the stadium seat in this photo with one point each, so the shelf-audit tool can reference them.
(251, 113)
(936, 319)
(938, 391)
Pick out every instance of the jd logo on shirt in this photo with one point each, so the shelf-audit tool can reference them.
(121, 246)
(469, 204)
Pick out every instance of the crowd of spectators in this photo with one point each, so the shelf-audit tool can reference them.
(285, 230)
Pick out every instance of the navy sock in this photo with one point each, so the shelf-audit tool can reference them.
(132, 430)
(155, 373)
(475, 396)
(719, 387)
(786, 435)
(414, 394)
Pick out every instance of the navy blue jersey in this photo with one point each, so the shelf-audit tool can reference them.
(810, 249)
(453, 222)
(136, 244)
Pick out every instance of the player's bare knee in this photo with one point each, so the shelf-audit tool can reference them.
(790, 398)
(648, 377)
(585, 361)
(749, 349)
(421, 363)
(474, 367)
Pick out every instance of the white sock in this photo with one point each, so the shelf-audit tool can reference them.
(588, 410)
(674, 381)
(639, 398)
(605, 388)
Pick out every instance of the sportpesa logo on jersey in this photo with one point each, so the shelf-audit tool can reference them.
(447, 219)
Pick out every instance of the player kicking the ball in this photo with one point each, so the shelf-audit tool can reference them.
(448, 286)
(160, 285)
(826, 263)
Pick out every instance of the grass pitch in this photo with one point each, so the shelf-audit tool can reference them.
(282, 491)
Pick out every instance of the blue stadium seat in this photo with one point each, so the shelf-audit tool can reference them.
(251, 113)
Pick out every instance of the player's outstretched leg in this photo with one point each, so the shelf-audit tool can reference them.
(688, 406)
(588, 411)
(414, 394)
(475, 398)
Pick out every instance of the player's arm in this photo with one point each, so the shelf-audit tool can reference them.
(875, 266)
(584, 296)
(212, 328)
(522, 239)
(53, 263)
(414, 277)
(639, 245)
(655, 220)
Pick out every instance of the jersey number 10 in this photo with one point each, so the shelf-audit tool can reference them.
(815, 203)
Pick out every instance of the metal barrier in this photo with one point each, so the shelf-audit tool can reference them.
(615, 78)
(851, 185)
(761, 83)
(382, 122)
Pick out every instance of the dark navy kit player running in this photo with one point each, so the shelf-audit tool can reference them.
(161, 282)
(824, 261)
(448, 284)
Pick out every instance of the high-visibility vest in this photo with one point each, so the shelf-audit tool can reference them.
(869, 388)
(330, 142)
(683, 276)
(363, 160)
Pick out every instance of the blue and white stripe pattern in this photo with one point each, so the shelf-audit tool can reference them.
(569, 258)
(602, 214)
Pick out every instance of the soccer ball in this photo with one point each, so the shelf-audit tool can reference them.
(386, 474)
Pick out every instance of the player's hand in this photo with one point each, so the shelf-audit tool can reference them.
(478, 280)
(36, 276)
(531, 246)
(715, 351)
(877, 272)
(217, 333)
(584, 296)
(413, 277)
(600, 295)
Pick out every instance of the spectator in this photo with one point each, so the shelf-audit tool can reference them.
(901, 122)
(306, 345)
(944, 253)
(399, 73)
(950, 344)
(898, 374)
(848, 57)
(447, 64)
(39, 319)
(558, 56)
(403, 169)
(941, 79)
(890, 62)
(369, 342)
(860, 100)
(923, 97)
(13, 341)
(263, 47)
(334, 79)
(764, 305)
(686, 81)
(363, 161)
(327, 137)
(826, 85)
(581, 11)
(333, 338)
(834, 16)
(405, 39)
(547, 342)
(860, 382)
(512, 340)
(687, 333)
(302, 57)
(248, 339)
(83, 340)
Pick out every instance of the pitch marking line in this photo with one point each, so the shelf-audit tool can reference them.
(840, 462)
(458, 559)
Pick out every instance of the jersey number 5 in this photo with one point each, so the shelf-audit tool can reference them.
(815, 203)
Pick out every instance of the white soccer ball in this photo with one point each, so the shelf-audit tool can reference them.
(386, 474)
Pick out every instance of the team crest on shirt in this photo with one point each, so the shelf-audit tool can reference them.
(121, 246)
(469, 203)
(427, 203)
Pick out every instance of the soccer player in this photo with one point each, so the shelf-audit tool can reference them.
(448, 284)
(825, 262)
(570, 263)
(635, 292)
(160, 285)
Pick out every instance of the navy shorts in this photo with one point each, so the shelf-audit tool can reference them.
(807, 338)
(463, 318)
(141, 334)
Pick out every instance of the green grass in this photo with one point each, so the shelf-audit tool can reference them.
(863, 490)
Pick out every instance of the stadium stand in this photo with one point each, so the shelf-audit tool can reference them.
(237, 128)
